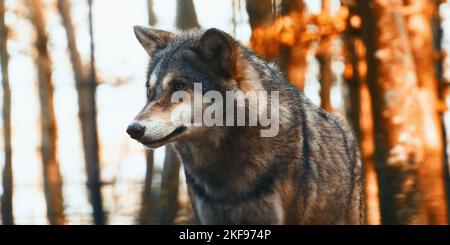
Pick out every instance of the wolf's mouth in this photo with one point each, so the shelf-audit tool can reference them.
(165, 140)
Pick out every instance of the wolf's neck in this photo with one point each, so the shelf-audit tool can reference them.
(217, 150)
(239, 165)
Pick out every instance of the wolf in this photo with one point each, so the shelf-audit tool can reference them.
(310, 172)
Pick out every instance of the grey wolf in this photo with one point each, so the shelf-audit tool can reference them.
(310, 172)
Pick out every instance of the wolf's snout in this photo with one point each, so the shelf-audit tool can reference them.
(136, 131)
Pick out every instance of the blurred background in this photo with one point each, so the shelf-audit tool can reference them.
(73, 76)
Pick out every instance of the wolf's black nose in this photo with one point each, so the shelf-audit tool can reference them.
(136, 131)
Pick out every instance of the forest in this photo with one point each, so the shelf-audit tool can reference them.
(72, 77)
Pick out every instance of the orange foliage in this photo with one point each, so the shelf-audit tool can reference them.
(298, 28)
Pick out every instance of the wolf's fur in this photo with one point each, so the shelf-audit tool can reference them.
(310, 173)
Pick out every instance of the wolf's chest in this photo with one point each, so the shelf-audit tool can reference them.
(267, 210)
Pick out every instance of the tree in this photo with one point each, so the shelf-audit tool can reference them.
(6, 200)
(438, 33)
(260, 17)
(325, 58)
(359, 108)
(168, 200)
(419, 23)
(397, 116)
(52, 177)
(92, 149)
(292, 58)
(86, 88)
(186, 17)
(145, 214)
(170, 180)
(151, 14)
(277, 38)
(259, 13)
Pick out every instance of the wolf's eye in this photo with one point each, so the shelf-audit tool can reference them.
(178, 86)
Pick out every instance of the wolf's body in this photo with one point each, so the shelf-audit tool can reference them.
(310, 173)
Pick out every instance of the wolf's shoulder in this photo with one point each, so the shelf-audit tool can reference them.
(325, 130)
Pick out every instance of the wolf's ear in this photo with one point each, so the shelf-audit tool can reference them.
(218, 49)
(152, 39)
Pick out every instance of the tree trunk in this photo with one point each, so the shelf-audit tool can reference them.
(291, 59)
(359, 111)
(7, 196)
(259, 13)
(145, 215)
(235, 7)
(52, 177)
(151, 14)
(396, 111)
(260, 17)
(86, 86)
(186, 16)
(438, 33)
(354, 76)
(325, 58)
(326, 77)
(419, 23)
(92, 149)
(168, 201)
(360, 116)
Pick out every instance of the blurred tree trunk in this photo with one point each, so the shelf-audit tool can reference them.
(259, 13)
(396, 111)
(438, 33)
(354, 76)
(292, 59)
(260, 17)
(326, 76)
(145, 215)
(92, 148)
(52, 177)
(419, 23)
(170, 180)
(235, 6)
(186, 17)
(325, 58)
(151, 14)
(7, 196)
(359, 110)
(86, 86)
(168, 202)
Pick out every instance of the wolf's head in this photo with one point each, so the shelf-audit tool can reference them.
(211, 58)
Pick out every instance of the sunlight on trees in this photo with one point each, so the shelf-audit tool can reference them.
(381, 65)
